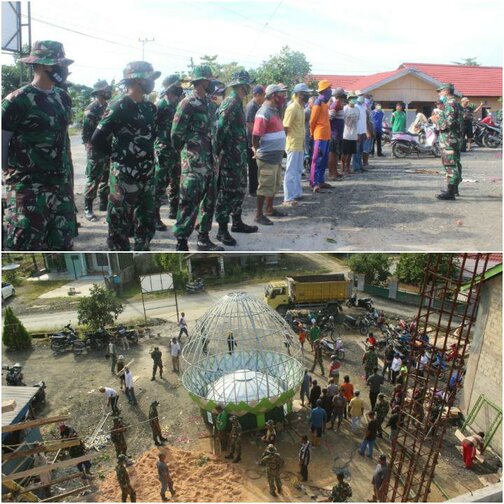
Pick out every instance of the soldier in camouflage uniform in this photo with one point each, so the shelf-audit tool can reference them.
(98, 164)
(128, 132)
(157, 435)
(231, 153)
(192, 133)
(124, 480)
(342, 491)
(370, 361)
(450, 123)
(117, 437)
(274, 463)
(236, 432)
(36, 159)
(168, 159)
(381, 410)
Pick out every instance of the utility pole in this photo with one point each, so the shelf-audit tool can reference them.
(143, 42)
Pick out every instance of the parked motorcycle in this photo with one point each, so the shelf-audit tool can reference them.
(493, 136)
(195, 286)
(333, 347)
(97, 340)
(366, 303)
(67, 340)
(386, 133)
(131, 334)
(356, 324)
(14, 375)
(405, 144)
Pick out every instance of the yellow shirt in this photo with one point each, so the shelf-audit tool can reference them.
(294, 119)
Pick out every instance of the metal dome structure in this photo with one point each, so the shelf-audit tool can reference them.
(244, 356)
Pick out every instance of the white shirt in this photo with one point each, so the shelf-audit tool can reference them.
(110, 392)
(128, 379)
(111, 348)
(396, 364)
(175, 349)
(182, 322)
(424, 360)
(361, 125)
(351, 116)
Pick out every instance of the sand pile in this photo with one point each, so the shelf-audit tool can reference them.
(196, 475)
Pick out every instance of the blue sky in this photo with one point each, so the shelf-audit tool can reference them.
(337, 38)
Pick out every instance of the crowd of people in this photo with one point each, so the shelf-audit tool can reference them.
(197, 151)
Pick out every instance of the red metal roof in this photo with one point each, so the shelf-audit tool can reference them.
(470, 80)
(344, 81)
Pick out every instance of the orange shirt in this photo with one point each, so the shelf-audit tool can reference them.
(320, 127)
(347, 390)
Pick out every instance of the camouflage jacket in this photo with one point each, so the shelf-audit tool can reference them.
(236, 430)
(341, 492)
(164, 120)
(92, 116)
(157, 356)
(192, 132)
(273, 462)
(381, 410)
(122, 476)
(117, 435)
(39, 150)
(451, 124)
(132, 128)
(370, 361)
(153, 414)
(231, 134)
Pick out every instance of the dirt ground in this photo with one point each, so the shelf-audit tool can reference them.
(391, 207)
(72, 388)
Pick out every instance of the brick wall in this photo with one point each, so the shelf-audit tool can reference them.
(484, 369)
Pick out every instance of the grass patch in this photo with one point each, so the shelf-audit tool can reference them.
(74, 131)
(30, 291)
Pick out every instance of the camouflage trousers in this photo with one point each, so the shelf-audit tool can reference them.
(40, 217)
(167, 174)
(274, 478)
(235, 448)
(232, 186)
(97, 175)
(120, 447)
(130, 210)
(127, 490)
(450, 157)
(198, 190)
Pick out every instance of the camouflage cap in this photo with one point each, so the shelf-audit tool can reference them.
(140, 70)
(202, 72)
(271, 448)
(121, 457)
(241, 78)
(233, 418)
(47, 52)
(171, 81)
(101, 86)
(446, 85)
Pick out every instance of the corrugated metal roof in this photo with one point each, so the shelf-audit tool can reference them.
(22, 396)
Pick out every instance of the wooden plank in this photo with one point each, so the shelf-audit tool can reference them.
(66, 494)
(15, 487)
(52, 482)
(9, 405)
(33, 423)
(39, 449)
(52, 467)
(56, 456)
(126, 366)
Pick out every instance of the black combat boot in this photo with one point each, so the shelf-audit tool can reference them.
(88, 210)
(173, 210)
(224, 236)
(204, 244)
(240, 227)
(160, 225)
(103, 204)
(449, 194)
(456, 191)
(182, 245)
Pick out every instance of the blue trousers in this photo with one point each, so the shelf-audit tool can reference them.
(357, 158)
(367, 442)
(319, 162)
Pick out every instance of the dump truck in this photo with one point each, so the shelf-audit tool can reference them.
(307, 291)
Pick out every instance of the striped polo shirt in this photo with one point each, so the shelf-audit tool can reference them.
(268, 125)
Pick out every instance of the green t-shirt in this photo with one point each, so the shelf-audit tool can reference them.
(222, 420)
(314, 333)
(398, 121)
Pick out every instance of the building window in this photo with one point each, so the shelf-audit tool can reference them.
(101, 259)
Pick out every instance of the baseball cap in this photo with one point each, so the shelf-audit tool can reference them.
(258, 89)
(274, 88)
(301, 88)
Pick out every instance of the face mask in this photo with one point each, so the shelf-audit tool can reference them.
(360, 99)
(353, 101)
(326, 94)
(368, 101)
(177, 91)
(305, 97)
(442, 99)
(280, 100)
(210, 87)
(58, 74)
(106, 96)
(147, 85)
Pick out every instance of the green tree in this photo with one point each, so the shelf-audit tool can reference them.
(411, 267)
(16, 75)
(99, 309)
(15, 335)
(289, 67)
(376, 267)
(467, 62)
(81, 96)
